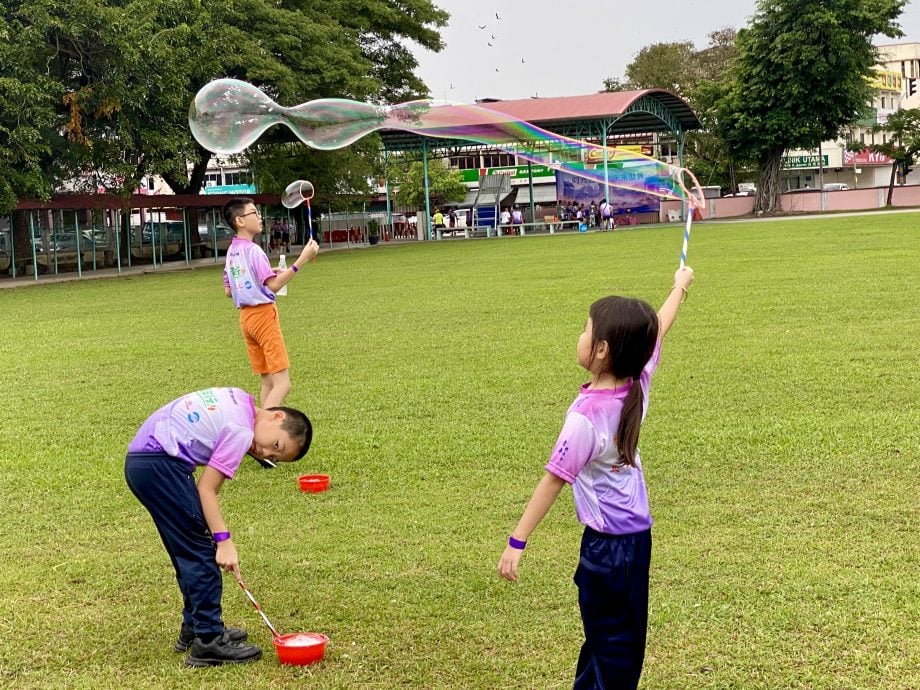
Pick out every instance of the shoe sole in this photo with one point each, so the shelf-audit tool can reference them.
(195, 662)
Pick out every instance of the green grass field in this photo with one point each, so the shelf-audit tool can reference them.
(781, 453)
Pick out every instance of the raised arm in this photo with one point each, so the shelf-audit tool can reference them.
(668, 312)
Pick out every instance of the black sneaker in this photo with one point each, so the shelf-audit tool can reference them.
(187, 636)
(221, 650)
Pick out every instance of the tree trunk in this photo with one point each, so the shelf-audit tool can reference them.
(768, 191)
(894, 170)
(22, 245)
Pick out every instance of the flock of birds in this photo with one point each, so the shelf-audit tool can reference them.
(492, 40)
(483, 27)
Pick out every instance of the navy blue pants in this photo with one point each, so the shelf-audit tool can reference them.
(166, 487)
(612, 579)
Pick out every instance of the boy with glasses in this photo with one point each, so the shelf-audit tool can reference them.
(252, 283)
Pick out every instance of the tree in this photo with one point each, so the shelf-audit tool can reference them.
(119, 97)
(801, 75)
(664, 66)
(407, 178)
(695, 75)
(903, 146)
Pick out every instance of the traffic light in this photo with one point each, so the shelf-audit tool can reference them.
(911, 87)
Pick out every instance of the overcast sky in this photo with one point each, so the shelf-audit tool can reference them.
(568, 47)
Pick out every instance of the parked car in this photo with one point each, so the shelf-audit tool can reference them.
(835, 187)
(222, 233)
(169, 231)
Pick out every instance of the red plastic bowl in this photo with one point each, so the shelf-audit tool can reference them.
(300, 649)
(314, 483)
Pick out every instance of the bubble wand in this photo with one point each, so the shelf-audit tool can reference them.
(297, 193)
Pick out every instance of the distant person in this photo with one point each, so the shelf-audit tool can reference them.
(213, 429)
(597, 453)
(517, 220)
(438, 220)
(286, 236)
(452, 218)
(505, 218)
(251, 282)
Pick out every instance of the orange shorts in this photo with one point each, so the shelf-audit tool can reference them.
(261, 328)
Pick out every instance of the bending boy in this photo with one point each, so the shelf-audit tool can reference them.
(214, 429)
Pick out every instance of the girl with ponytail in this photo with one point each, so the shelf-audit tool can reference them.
(597, 452)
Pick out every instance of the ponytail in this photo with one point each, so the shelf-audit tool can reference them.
(630, 329)
(627, 437)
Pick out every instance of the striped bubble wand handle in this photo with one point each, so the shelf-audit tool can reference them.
(683, 252)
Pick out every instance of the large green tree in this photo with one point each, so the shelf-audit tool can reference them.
(118, 76)
(800, 76)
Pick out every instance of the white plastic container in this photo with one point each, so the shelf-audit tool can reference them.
(282, 264)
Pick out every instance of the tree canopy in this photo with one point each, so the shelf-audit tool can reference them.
(800, 76)
(99, 90)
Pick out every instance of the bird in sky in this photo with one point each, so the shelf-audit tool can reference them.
(493, 37)
(483, 26)
(496, 69)
(496, 16)
(522, 61)
(489, 44)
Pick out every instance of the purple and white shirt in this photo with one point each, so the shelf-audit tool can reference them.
(209, 427)
(610, 496)
(245, 272)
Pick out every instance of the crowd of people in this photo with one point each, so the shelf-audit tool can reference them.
(597, 214)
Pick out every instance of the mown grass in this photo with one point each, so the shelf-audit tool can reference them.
(781, 451)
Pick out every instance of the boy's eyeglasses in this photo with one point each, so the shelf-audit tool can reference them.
(243, 215)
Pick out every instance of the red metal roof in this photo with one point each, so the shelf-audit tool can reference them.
(590, 107)
(566, 115)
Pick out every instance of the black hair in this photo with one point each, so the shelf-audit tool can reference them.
(298, 427)
(233, 209)
(630, 328)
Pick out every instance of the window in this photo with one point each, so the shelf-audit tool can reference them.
(465, 162)
(498, 160)
(237, 177)
(212, 179)
(883, 102)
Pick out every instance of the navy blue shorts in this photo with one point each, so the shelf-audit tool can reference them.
(166, 487)
(612, 579)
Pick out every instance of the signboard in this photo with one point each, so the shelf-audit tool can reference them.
(583, 191)
(887, 81)
(517, 172)
(865, 158)
(807, 161)
(231, 189)
(596, 155)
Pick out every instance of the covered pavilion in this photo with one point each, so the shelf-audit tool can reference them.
(603, 118)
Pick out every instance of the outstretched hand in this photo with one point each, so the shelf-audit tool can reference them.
(683, 277)
(310, 250)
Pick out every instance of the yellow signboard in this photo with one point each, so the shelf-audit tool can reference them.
(887, 81)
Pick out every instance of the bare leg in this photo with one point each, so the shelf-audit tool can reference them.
(275, 388)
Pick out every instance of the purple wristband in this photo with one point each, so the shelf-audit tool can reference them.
(294, 268)
(220, 536)
(516, 543)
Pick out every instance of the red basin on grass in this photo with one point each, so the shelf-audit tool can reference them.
(313, 483)
(300, 649)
